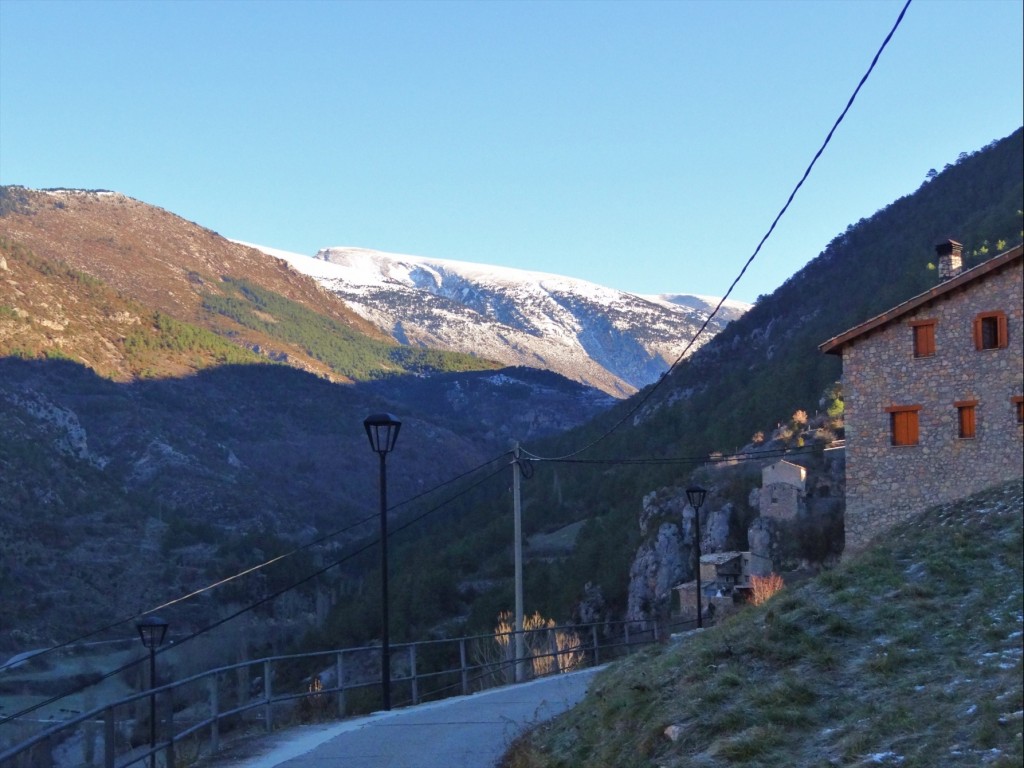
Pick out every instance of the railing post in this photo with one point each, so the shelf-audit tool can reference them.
(47, 755)
(462, 663)
(339, 674)
(597, 653)
(268, 695)
(169, 752)
(626, 625)
(412, 672)
(109, 737)
(243, 681)
(214, 714)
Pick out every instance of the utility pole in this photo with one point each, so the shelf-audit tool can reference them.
(517, 508)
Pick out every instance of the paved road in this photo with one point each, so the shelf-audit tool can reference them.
(462, 732)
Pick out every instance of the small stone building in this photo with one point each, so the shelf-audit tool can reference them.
(933, 392)
(724, 577)
(783, 486)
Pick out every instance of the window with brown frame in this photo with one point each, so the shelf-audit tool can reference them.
(991, 330)
(1018, 405)
(924, 337)
(903, 426)
(967, 418)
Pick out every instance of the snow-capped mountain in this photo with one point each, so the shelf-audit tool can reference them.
(609, 339)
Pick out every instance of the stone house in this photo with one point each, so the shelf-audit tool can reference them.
(725, 577)
(933, 392)
(783, 486)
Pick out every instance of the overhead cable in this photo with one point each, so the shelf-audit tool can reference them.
(650, 392)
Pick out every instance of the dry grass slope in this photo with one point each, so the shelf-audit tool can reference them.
(909, 655)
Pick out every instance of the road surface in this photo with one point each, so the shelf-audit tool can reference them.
(461, 732)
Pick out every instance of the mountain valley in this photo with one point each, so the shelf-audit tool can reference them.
(176, 407)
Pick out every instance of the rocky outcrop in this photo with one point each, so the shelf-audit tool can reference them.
(662, 559)
(718, 530)
(806, 537)
(763, 540)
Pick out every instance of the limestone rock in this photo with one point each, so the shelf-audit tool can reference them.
(657, 568)
(663, 503)
(762, 537)
(674, 732)
(717, 530)
(662, 560)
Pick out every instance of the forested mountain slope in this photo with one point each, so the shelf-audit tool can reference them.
(760, 370)
(767, 363)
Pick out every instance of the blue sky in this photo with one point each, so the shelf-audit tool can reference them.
(645, 146)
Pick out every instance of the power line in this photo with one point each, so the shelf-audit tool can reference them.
(650, 392)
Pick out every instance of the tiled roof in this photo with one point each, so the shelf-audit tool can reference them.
(834, 346)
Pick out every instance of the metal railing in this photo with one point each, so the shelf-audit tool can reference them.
(196, 714)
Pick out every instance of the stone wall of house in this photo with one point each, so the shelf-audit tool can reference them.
(780, 501)
(887, 483)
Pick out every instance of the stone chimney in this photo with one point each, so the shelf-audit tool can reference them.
(950, 261)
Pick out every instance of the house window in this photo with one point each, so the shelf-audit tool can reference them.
(924, 337)
(1018, 405)
(903, 424)
(967, 418)
(990, 330)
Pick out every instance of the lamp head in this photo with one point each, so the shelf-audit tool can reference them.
(382, 429)
(696, 495)
(152, 630)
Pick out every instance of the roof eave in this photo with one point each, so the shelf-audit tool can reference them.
(835, 345)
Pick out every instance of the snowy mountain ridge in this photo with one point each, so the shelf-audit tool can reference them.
(613, 340)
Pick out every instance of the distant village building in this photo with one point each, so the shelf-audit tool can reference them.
(725, 579)
(783, 487)
(934, 394)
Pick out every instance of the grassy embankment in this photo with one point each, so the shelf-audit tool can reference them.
(907, 655)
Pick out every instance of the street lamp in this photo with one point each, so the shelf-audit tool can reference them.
(152, 630)
(382, 429)
(695, 495)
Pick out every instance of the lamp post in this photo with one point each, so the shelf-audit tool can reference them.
(695, 495)
(152, 630)
(382, 429)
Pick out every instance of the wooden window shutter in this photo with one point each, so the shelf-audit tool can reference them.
(911, 427)
(924, 337)
(903, 424)
(900, 433)
(967, 418)
(991, 330)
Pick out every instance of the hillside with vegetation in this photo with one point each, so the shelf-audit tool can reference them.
(125, 434)
(133, 291)
(746, 391)
(907, 655)
(768, 361)
(175, 408)
(762, 368)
